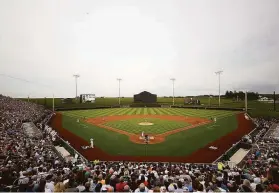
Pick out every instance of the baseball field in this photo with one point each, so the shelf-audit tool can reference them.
(175, 134)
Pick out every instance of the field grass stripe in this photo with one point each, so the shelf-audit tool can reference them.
(138, 112)
(145, 112)
(72, 116)
(158, 111)
(132, 111)
(188, 113)
(111, 113)
(124, 111)
(119, 111)
(148, 111)
(165, 111)
(106, 112)
(100, 112)
(175, 112)
(168, 111)
(127, 111)
(152, 112)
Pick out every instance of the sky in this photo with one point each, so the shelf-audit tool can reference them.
(145, 43)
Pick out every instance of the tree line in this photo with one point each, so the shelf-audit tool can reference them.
(240, 95)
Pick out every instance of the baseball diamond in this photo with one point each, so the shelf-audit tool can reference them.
(174, 132)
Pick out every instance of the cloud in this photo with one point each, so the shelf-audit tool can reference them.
(145, 43)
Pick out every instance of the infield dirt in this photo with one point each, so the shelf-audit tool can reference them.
(158, 138)
(203, 155)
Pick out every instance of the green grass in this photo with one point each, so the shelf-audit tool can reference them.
(159, 125)
(148, 111)
(179, 144)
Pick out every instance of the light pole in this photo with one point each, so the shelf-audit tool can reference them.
(246, 102)
(76, 77)
(219, 74)
(119, 80)
(172, 79)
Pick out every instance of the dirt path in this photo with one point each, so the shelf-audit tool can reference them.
(157, 138)
(203, 155)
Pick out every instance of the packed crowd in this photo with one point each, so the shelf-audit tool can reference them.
(31, 164)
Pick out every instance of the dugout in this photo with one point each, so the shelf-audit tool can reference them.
(145, 97)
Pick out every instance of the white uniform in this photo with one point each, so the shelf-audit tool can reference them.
(92, 143)
(142, 134)
(215, 119)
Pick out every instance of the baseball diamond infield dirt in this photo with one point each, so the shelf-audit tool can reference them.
(202, 155)
(156, 138)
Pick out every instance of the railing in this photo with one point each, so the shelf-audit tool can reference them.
(227, 152)
(65, 143)
(72, 148)
(235, 146)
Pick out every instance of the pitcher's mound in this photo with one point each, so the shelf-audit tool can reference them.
(146, 123)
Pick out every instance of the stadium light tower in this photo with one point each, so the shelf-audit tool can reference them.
(76, 77)
(219, 75)
(119, 80)
(172, 79)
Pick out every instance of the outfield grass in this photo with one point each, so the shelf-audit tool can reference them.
(179, 144)
(159, 125)
(148, 111)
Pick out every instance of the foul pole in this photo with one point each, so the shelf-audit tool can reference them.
(76, 78)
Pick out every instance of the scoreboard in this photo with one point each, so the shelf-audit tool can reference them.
(87, 98)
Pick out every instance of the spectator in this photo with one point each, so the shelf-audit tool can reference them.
(40, 187)
(141, 188)
(120, 186)
(59, 187)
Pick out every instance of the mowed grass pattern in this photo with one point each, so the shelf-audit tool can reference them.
(178, 144)
(159, 125)
(148, 111)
